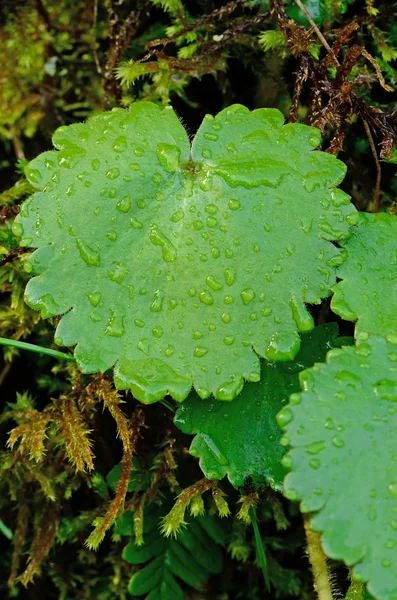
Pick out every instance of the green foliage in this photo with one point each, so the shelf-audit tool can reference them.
(135, 225)
(241, 439)
(342, 433)
(368, 290)
(186, 216)
(192, 557)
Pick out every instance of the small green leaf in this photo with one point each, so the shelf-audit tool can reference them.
(181, 265)
(242, 439)
(192, 557)
(368, 291)
(343, 458)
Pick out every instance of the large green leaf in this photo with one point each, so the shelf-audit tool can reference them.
(192, 557)
(368, 291)
(242, 439)
(181, 266)
(343, 434)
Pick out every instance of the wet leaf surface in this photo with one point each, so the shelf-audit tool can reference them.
(182, 266)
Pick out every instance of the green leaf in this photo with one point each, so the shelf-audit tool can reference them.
(342, 431)
(315, 8)
(181, 265)
(241, 439)
(368, 291)
(192, 557)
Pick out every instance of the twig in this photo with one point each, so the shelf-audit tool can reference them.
(375, 206)
(5, 372)
(316, 29)
(19, 153)
(94, 24)
(318, 562)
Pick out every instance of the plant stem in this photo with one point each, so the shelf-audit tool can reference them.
(34, 348)
(259, 548)
(318, 561)
(355, 591)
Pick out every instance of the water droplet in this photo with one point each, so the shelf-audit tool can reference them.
(211, 221)
(206, 297)
(117, 272)
(158, 238)
(139, 323)
(120, 144)
(314, 463)
(228, 300)
(230, 275)
(214, 283)
(228, 340)
(284, 417)
(349, 379)
(95, 164)
(286, 461)
(329, 424)
(115, 325)
(177, 216)
(206, 153)
(386, 563)
(212, 137)
(173, 303)
(124, 204)
(337, 441)
(34, 175)
(234, 204)
(135, 224)
(226, 318)
(168, 157)
(303, 319)
(197, 335)
(315, 447)
(247, 296)
(363, 350)
(139, 151)
(200, 351)
(392, 356)
(95, 298)
(112, 235)
(88, 254)
(113, 173)
(386, 390)
(157, 304)
(157, 331)
(17, 229)
(283, 346)
(393, 489)
(392, 338)
(229, 390)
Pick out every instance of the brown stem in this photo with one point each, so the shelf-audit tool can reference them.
(375, 206)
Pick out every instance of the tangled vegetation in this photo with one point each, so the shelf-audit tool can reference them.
(215, 235)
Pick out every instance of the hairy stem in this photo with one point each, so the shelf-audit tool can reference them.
(319, 565)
